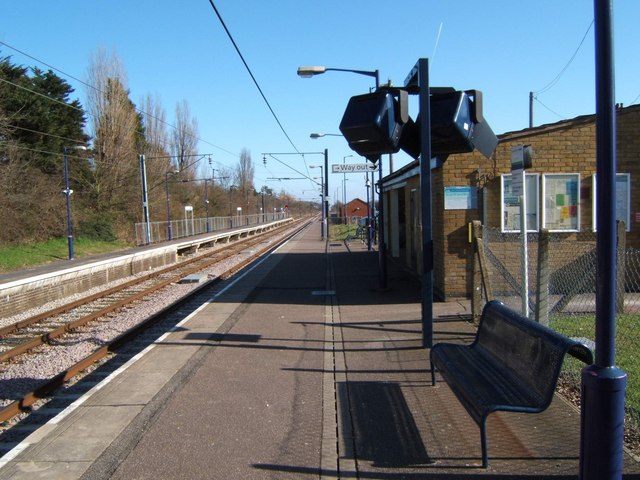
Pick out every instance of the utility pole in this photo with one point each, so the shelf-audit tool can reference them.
(531, 109)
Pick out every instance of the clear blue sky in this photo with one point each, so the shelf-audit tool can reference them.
(179, 50)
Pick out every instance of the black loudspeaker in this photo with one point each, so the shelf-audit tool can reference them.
(457, 126)
(372, 123)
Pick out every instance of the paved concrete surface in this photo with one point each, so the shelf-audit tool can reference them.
(301, 369)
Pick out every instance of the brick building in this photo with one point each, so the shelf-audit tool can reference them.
(355, 208)
(560, 195)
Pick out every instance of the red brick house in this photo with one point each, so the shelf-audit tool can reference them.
(355, 208)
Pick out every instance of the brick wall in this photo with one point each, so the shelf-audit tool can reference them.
(565, 147)
(355, 208)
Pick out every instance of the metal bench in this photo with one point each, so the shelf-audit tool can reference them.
(512, 365)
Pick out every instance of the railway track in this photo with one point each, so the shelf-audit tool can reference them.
(24, 342)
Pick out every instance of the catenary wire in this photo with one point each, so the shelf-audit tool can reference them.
(99, 91)
(137, 109)
(8, 125)
(255, 81)
(44, 133)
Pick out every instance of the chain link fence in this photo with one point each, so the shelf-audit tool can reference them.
(561, 277)
(155, 232)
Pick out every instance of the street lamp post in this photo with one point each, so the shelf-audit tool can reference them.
(307, 72)
(323, 232)
(206, 203)
(231, 189)
(368, 185)
(317, 135)
(166, 186)
(604, 384)
(344, 185)
(325, 153)
(67, 192)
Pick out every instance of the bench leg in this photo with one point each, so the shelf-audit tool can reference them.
(483, 443)
(433, 375)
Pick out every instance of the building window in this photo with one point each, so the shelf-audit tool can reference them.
(561, 212)
(511, 203)
(623, 200)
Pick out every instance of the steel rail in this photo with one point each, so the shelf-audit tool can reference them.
(12, 328)
(24, 404)
(193, 265)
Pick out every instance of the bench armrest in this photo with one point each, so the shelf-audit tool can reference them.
(582, 352)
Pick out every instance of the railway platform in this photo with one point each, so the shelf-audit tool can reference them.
(297, 368)
(33, 287)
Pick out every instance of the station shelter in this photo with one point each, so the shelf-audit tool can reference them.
(560, 195)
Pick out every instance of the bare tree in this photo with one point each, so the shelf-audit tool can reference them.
(115, 128)
(184, 137)
(245, 171)
(155, 126)
(224, 177)
(156, 150)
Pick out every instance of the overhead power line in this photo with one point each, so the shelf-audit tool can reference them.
(8, 125)
(557, 77)
(272, 155)
(102, 93)
(252, 76)
(552, 111)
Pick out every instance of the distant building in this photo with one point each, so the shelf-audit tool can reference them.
(560, 195)
(356, 208)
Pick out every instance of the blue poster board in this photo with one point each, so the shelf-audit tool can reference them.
(460, 198)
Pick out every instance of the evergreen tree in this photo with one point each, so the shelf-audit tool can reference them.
(38, 112)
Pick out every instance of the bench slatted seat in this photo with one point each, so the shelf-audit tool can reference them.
(512, 365)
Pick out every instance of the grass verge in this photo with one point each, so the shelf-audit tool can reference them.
(627, 353)
(341, 232)
(17, 257)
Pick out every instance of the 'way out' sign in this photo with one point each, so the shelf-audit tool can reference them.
(353, 168)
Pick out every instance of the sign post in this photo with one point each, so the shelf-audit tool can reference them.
(519, 190)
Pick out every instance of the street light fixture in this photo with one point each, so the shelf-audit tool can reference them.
(317, 135)
(321, 134)
(368, 186)
(67, 192)
(307, 72)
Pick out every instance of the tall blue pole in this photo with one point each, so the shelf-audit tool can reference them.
(67, 193)
(326, 194)
(382, 240)
(426, 201)
(166, 186)
(603, 384)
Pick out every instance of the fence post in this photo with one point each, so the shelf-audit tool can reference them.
(542, 297)
(476, 295)
(621, 260)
